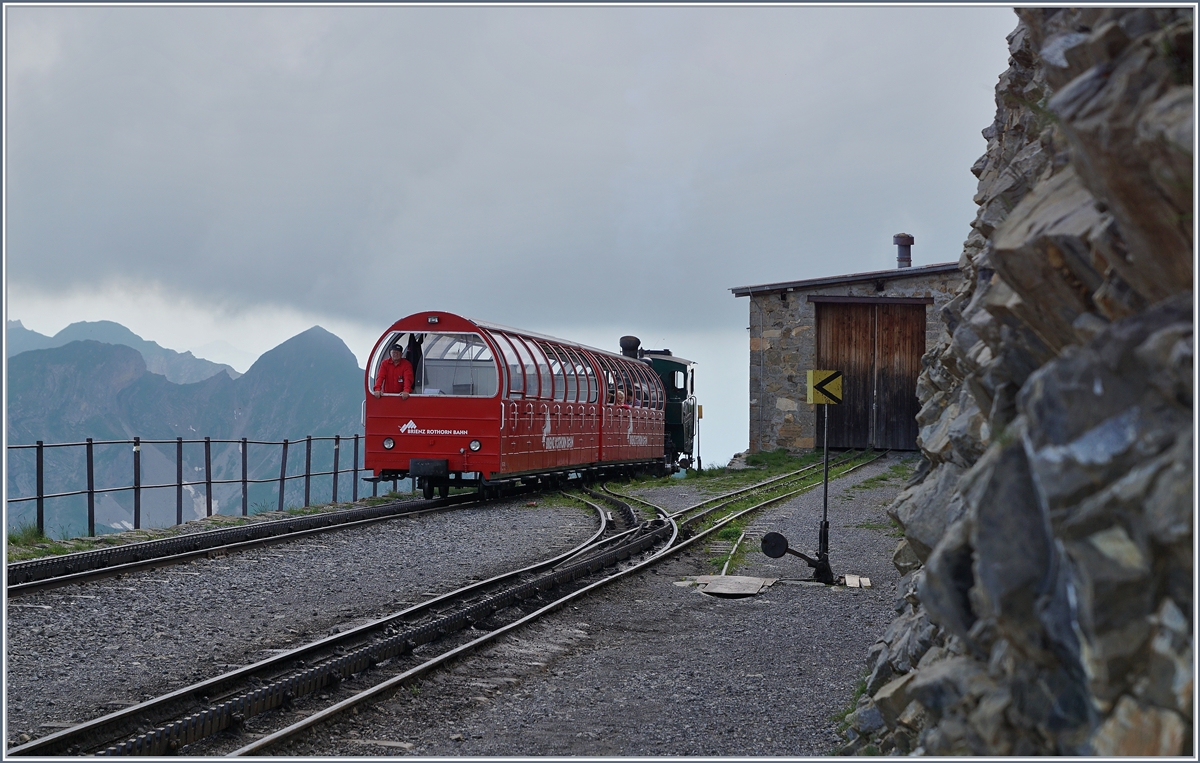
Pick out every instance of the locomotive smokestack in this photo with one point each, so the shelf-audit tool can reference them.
(630, 345)
(903, 242)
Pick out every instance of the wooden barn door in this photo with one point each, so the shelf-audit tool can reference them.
(901, 336)
(878, 349)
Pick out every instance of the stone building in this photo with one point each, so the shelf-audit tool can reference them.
(873, 327)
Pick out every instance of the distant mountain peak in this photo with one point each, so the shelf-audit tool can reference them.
(301, 350)
(181, 368)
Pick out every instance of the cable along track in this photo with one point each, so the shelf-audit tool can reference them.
(388, 653)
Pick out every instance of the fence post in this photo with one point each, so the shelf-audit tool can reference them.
(307, 466)
(178, 480)
(137, 483)
(282, 473)
(337, 449)
(208, 476)
(355, 491)
(41, 492)
(91, 477)
(245, 497)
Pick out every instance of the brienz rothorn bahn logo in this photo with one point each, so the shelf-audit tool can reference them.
(412, 428)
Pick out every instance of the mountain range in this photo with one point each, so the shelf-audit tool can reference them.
(309, 385)
(178, 367)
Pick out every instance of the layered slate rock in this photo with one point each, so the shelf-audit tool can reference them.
(1047, 599)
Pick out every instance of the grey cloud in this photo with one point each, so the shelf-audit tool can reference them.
(501, 162)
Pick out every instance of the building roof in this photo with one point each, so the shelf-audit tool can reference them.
(876, 275)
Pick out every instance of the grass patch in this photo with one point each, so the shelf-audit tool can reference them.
(841, 717)
(26, 534)
(299, 511)
(730, 534)
(261, 508)
(776, 458)
(722, 479)
(25, 542)
(896, 473)
(891, 527)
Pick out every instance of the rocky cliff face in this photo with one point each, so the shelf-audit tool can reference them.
(1047, 605)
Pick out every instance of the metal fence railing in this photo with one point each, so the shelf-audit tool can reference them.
(137, 488)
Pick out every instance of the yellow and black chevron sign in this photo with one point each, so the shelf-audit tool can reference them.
(825, 387)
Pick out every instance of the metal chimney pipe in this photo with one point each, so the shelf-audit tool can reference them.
(903, 242)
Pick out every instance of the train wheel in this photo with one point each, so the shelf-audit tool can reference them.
(427, 489)
(444, 491)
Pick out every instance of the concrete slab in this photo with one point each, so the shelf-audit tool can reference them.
(732, 585)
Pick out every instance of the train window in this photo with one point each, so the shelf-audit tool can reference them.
(680, 379)
(571, 391)
(564, 375)
(571, 374)
(392, 337)
(593, 382)
(642, 387)
(610, 381)
(458, 364)
(576, 381)
(652, 388)
(554, 372)
(512, 364)
(587, 378)
(655, 388)
(543, 369)
(526, 350)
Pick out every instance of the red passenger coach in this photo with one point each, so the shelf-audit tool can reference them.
(492, 406)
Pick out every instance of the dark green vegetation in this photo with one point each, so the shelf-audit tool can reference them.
(841, 716)
(721, 479)
(896, 473)
(892, 528)
(25, 542)
(778, 458)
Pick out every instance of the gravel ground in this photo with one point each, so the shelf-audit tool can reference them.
(74, 653)
(648, 667)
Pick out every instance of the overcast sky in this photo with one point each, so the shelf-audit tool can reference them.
(235, 175)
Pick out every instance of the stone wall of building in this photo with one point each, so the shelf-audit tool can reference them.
(1047, 599)
(783, 350)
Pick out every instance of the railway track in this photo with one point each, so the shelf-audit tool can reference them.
(261, 700)
(82, 566)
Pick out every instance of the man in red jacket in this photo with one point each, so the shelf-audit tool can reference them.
(395, 374)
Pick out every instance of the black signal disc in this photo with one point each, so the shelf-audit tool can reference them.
(774, 545)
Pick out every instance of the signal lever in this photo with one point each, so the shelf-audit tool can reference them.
(775, 545)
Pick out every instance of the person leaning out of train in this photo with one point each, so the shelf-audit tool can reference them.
(395, 374)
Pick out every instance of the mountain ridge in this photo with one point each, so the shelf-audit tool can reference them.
(309, 384)
(179, 367)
